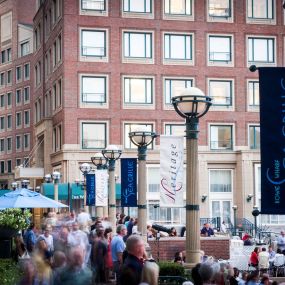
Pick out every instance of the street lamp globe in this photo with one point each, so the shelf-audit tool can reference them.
(48, 178)
(98, 159)
(56, 176)
(142, 138)
(191, 103)
(112, 152)
(235, 207)
(85, 168)
(14, 185)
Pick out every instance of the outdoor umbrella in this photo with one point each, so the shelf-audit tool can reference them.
(24, 198)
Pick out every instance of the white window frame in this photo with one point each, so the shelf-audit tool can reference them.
(140, 60)
(20, 148)
(29, 112)
(19, 67)
(103, 105)
(232, 125)
(251, 108)
(2, 140)
(249, 63)
(175, 124)
(24, 72)
(225, 63)
(91, 58)
(90, 12)
(168, 106)
(226, 19)
(18, 103)
(28, 88)
(9, 150)
(19, 126)
(181, 17)
(9, 128)
(138, 105)
(11, 77)
(29, 141)
(170, 61)
(248, 135)
(137, 14)
(4, 101)
(93, 122)
(223, 107)
(262, 21)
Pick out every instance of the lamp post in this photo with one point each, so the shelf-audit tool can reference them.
(191, 105)
(142, 139)
(235, 207)
(25, 183)
(100, 162)
(54, 177)
(112, 153)
(255, 214)
(85, 168)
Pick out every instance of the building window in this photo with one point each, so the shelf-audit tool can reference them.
(26, 141)
(173, 87)
(54, 51)
(96, 5)
(132, 127)
(18, 96)
(18, 73)
(9, 145)
(221, 92)
(9, 54)
(178, 7)
(9, 77)
(138, 6)
(260, 9)
(253, 93)
(177, 47)
(18, 143)
(26, 94)
(2, 124)
(2, 101)
(153, 181)
(254, 137)
(2, 167)
(261, 50)
(221, 137)
(59, 88)
(9, 166)
(93, 89)
(219, 8)
(2, 145)
(175, 130)
(220, 180)
(93, 43)
(3, 56)
(2, 79)
(18, 161)
(26, 71)
(27, 118)
(18, 119)
(9, 122)
(59, 48)
(220, 48)
(137, 45)
(138, 90)
(94, 135)
(9, 99)
(25, 48)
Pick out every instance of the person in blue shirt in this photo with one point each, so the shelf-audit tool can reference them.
(207, 231)
(30, 238)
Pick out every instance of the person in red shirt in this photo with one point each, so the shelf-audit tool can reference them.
(253, 260)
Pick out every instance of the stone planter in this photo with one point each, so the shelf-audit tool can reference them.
(7, 233)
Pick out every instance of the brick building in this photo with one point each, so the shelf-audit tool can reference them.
(103, 68)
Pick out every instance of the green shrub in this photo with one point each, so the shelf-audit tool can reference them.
(9, 272)
(171, 269)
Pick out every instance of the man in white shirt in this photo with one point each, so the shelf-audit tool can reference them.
(84, 220)
(281, 241)
(263, 259)
(48, 238)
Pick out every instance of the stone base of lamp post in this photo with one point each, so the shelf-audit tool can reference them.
(99, 212)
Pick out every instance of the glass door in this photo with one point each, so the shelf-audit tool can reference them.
(222, 209)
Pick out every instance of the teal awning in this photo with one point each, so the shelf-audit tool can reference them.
(76, 191)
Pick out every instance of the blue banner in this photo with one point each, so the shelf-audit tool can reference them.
(128, 182)
(90, 189)
(272, 139)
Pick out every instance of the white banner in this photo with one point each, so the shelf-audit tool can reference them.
(101, 177)
(171, 171)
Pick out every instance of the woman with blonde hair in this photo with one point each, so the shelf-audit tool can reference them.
(150, 273)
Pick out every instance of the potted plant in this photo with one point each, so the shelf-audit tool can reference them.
(13, 221)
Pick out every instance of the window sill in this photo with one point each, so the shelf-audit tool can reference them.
(176, 17)
(261, 21)
(87, 12)
(220, 63)
(139, 106)
(94, 58)
(140, 15)
(137, 60)
(178, 62)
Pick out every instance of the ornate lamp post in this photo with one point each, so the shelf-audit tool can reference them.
(235, 207)
(54, 177)
(142, 139)
(255, 214)
(191, 105)
(25, 183)
(112, 153)
(100, 162)
(85, 168)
